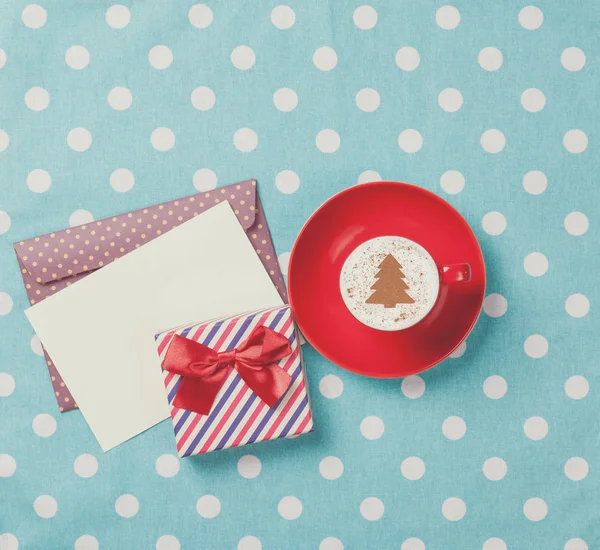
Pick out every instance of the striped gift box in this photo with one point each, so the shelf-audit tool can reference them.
(239, 416)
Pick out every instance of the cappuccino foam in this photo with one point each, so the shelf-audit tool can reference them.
(389, 283)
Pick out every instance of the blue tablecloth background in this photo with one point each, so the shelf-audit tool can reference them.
(532, 173)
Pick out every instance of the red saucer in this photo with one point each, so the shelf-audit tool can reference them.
(341, 224)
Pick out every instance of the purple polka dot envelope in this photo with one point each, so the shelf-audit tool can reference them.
(56, 260)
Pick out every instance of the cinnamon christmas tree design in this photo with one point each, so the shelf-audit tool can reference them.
(390, 287)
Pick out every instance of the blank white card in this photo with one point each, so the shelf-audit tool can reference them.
(100, 330)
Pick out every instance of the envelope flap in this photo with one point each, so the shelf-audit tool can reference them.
(87, 247)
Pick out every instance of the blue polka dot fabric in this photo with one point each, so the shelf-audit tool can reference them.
(106, 107)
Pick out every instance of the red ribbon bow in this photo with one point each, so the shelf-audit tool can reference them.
(205, 370)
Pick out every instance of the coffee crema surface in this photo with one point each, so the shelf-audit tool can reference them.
(389, 283)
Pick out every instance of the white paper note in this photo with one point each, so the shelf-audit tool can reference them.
(100, 330)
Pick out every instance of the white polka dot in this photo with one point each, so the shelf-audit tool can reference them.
(120, 98)
(87, 542)
(535, 509)
(576, 468)
(168, 542)
(243, 58)
(372, 427)
(328, 141)
(413, 543)
(452, 182)
(490, 58)
(6, 303)
(331, 467)
(8, 465)
(162, 139)
(454, 428)
(44, 425)
(447, 17)
(287, 181)
(249, 543)
(4, 140)
(533, 100)
(34, 16)
(79, 217)
(495, 305)
(167, 465)
(7, 382)
(493, 141)
(575, 141)
(459, 351)
(535, 182)
(368, 100)
(45, 506)
(572, 59)
(576, 544)
(249, 466)
(79, 139)
(289, 508)
(325, 58)
(2, 58)
(118, 16)
(208, 506)
(536, 346)
(245, 140)
(284, 261)
(535, 264)
(577, 387)
(201, 16)
(37, 99)
(531, 18)
(535, 428)
(203, 98)
(39, 181)
(576, 223)
(369, 176)
(371, 509)
(495, 387)
(410, 141)
(577, 305)
(77, 57)
(160, 57)
(494, 223)
(331, 543)
(494, 544)
(365, 17)
(283, 17)
(127, 506)
(450, 100)
(85, 465)
(122, 180)
(205, 179)
(408, 58)
(494, 468)
(331, 386)
(285, 99)
(4, 222)
(454, 509)
(412, 468)
(413, 387)
(8, 541)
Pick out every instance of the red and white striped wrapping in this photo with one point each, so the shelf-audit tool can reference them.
(238, 416)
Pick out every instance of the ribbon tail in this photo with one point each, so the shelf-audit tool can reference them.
(270, 382)
(199, 394)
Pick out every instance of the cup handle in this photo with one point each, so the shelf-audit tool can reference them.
(455, 273)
